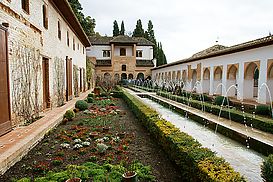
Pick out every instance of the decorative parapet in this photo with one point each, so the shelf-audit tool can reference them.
(144, 63)
(103, 63)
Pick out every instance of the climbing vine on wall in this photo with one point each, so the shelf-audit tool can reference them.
(59, 80)
(25, 68)
(76, 80)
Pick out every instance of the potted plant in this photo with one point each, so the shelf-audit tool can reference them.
(130, 176)
(73, 171)
(93, 134)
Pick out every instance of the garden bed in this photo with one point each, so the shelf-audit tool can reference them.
(107, 134)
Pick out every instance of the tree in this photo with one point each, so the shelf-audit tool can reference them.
(150, 32)
(115, 28)
(138, 32)
(161, 57)
(122, 29)
(88, 24)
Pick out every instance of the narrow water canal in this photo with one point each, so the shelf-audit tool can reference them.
(243, 160)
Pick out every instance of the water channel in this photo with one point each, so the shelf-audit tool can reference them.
(242, 159)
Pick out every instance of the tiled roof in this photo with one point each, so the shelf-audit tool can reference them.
(222, 50)
(122, 39)
(97, 40)
(209, 50)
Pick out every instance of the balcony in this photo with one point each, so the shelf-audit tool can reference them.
(144, 63)
(104, 62)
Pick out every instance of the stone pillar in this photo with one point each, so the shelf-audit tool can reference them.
(224, 80)
(211, 85)
(240, 81)
(262, 91)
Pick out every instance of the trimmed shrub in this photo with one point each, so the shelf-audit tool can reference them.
(259, 122)
(195, 162)
(219, 100)
(81, 105)
(267, 169)
(263, 110)
(90, 99)
(69, 114)
(91, 95)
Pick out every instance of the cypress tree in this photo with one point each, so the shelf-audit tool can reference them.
(138, 32)
(115, 29)
(122, 28)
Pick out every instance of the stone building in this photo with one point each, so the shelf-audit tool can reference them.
(43, 58)
(121, 57)
(243, 71)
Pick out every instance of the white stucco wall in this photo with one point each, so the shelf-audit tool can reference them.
(129, 50)
(44, 41)
(97, 51)
(147, 52)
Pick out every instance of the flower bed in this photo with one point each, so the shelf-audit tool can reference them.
(195, 162)
(95, 139)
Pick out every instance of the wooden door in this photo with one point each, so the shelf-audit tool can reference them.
(68, 79)
(5, 116)
(46, 95)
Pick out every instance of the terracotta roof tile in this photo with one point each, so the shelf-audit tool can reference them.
(104, 40)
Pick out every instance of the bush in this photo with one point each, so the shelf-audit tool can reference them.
(69, 114)
(219, 100)
(263, 110)
(90, 99)
(267, 169)
(91, 95)
(195, 162)
(81, 105)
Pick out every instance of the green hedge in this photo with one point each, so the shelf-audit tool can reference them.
(195, 162)
(267, 169)
(262, 123)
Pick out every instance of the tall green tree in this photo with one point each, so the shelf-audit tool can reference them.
(138, 32)
(160, 57)
(122, 28)
(115, 29)
(88, 24)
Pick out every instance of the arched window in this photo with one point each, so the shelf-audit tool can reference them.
(123, 76)
(131, 76)
(140, 76)
(122, 52)
(59, 31)
(45, 17)
(123, 68)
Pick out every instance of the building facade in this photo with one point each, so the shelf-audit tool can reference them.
(243, 71)
(121, 57)
(43, 58)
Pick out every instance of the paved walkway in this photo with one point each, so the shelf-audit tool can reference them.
(16, 144)
(256, 134)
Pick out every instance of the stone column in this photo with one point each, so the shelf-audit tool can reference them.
(262, 91)
(211, 80)
(240, 81)
(224, 80)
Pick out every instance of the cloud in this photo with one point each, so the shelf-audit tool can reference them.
(186, 27)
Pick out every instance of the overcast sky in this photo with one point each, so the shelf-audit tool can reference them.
(187, 26)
